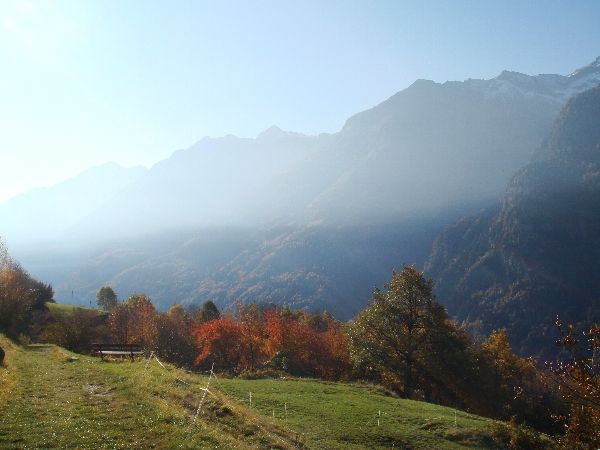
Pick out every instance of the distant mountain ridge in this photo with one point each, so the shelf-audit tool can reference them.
(45, 213)
(555, 88)
(317, 220)
(536, 255)
(470, 134)
(196, 185)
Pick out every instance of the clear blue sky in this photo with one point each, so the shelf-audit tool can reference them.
(83, 83)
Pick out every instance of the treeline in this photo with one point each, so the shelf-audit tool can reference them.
(403, 340)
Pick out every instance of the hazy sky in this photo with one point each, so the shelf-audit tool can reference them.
(86, 82)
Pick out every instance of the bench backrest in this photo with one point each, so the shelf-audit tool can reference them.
(116, 347)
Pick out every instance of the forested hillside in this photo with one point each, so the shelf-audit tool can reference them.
(536, 255)
(403, 341)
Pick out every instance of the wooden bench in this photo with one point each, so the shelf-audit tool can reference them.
(122, 350)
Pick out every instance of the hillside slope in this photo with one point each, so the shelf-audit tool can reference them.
(62, 400)
(536, 255)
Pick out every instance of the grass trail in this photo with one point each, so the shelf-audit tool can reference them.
(54, 406)
(52, 401)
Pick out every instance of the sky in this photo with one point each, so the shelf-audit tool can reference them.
(84, 83)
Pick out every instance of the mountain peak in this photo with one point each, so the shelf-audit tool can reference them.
(590, 69)
(511, 75)
(271, 134)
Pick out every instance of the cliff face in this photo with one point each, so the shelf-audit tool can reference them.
(536, 255)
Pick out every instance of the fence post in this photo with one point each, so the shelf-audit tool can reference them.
(204, 395)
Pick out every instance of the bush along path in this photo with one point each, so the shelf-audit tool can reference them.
(54, 399)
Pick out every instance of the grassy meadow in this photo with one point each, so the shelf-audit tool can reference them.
(327, 415)
(51, 398)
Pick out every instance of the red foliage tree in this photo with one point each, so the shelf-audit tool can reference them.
(307, 344)
(253, 337)
(295, 342)
(220, 343)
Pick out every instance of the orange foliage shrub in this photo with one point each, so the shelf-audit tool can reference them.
(297, 343)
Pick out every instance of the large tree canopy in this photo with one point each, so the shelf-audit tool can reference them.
(392, 335)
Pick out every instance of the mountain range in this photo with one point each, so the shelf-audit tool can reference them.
(310, 221)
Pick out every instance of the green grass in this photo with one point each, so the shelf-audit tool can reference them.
(343, 416)
(51, 398)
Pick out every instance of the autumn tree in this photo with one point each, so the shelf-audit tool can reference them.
(219, 343)
(74, 330)
(305, 344)
(235, 343)
(142, 315)
(16, 294)
(133, 321)
(287, 342)
(106, 299)
(392, 336)
(119, 323)
(253, 336)
(515, 389)
(333, 362)
(578, 380)
(294, 342)
(175, 341)
(15, 298)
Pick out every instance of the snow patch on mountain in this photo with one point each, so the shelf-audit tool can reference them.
(553, 88)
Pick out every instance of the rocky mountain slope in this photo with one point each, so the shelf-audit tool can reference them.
(535, 255)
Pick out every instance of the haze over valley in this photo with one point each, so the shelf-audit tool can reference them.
(307, 221)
